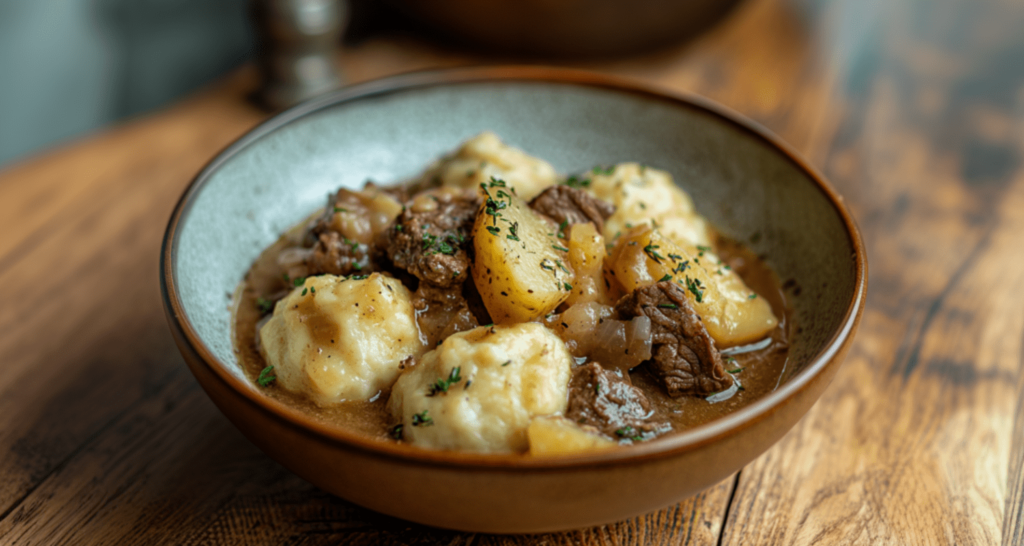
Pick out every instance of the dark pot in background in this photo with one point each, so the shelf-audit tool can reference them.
(566, 28)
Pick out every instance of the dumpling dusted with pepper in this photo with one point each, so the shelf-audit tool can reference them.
(338, 339)
(479, 390)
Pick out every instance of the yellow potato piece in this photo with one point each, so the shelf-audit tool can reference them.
(732, 313)
(586, 258)
(560, 436)
(521, 268)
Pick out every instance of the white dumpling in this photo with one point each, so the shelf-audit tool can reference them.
(493, 381)
(484, 156)
(644, 195)
(335, 339)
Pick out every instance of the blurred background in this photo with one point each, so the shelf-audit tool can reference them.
(71, 66)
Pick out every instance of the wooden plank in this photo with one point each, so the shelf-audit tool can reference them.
(911, 444)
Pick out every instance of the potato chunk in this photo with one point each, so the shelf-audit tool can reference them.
(586, 259)
(521, 268)
(560, 436)
(480, 389)
(485, 156)
(732, 313)
(644, 195)
(335, 339)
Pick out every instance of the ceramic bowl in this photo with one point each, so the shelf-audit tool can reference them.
(745, 181)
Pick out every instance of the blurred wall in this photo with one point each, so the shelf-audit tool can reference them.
(71, 66)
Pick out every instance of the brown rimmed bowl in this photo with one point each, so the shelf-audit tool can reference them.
(747, 182)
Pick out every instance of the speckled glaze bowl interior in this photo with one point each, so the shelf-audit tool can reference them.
(748, 184)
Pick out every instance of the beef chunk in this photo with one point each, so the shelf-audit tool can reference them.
(607, 401)
(684, 357)
(572, 205)
(441, 312)
(337, 255)
(432, 242)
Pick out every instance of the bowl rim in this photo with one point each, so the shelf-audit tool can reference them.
(669, 446)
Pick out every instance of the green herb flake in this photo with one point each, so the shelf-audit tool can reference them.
(265, 306)
(561, 229)
(339, 209)
(667, 277)
(695, 288)
(265, 377)
(604, 170)
(442, 385)
(494, 230)
(359, 277)
(735, 370)
(629, 432)
(298, 281)
(513, 232)
(668, 306)
(422, 419)
(568, 287)
(577, 182)
(652, 251)
(752, 297)
(561, 248)
(506, 363)
(396, 432)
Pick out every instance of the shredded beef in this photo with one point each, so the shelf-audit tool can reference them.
(684, 357)
(572, 205)
(432, 244)
(337, 255)
(441, 312)
(607, 401)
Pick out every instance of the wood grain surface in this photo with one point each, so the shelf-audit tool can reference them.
(913, 108)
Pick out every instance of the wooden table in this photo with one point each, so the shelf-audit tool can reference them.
(913, 108)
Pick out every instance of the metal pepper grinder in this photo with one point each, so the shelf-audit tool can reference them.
(297, 41)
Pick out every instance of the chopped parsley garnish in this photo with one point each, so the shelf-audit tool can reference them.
(513, 232)
(442, 385)
(561, 229)
(266, 376)
(695, 288)
(494, 230)
(265, 306)
(339, 209)
(422, 419)
(496, 182)
(735, 370)
(652, 251)
(396, 432)
(433, 244)
(546, 265)
(297, 281)
(562, 248)
(359, 277)
(629, 432)
(703, 248)
(506, 363)
(667, 277)
(304, 290)
(568, 287)
(398, 227)
(562, 267)
(312, 290)
(752, 296)
(356, 266)
(597, 388)
(604, 170)
(577, 182)
(668, 306)
(675, 257)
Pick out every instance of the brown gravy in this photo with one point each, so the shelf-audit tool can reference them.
(760, 372)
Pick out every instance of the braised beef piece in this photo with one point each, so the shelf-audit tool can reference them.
(441, 312)
(607, 401)
(572, 205)
(334, 254)
(684, 357)
(432, 244)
